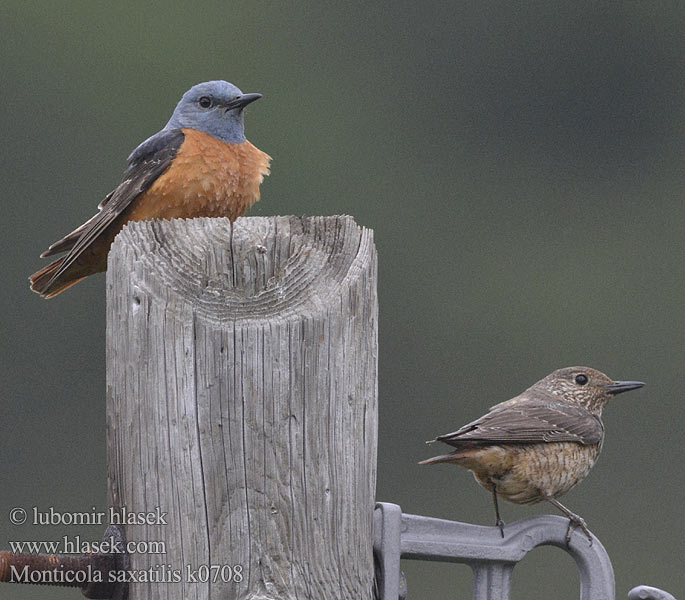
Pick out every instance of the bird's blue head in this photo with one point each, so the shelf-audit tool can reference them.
(215, 107)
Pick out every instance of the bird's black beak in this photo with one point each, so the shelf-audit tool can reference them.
(242, 101)
(618, 387)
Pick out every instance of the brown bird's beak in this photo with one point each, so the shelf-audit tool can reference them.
(242, 101)
(618, 387)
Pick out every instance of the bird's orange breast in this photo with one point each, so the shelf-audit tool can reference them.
(208, 178)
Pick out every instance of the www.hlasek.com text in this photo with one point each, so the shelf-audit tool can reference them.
(77, 545)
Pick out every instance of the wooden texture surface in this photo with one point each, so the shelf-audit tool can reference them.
(242, 401)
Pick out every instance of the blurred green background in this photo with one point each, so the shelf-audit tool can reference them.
(521, 165)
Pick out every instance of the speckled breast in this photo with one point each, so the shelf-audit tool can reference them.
(536, 471)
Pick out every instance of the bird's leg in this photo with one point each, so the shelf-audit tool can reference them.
(499, 523)
(573, 521)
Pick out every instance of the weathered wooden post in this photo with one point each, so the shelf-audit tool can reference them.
(242, 406)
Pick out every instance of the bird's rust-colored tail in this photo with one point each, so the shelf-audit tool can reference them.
(43, 282)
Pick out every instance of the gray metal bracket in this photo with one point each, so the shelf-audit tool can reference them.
(644, 592)
(491, 557)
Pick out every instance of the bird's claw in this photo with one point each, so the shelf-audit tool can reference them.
(579, 522)
(499, 523)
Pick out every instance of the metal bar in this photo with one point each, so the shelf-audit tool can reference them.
(644, 592)
(491, 556)
(491, 580)
(387, 519)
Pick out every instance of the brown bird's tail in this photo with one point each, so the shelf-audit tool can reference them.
(439, 459)
(42, 281)
(468, 457)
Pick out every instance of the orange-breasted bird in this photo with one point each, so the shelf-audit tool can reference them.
(540, 444)
(199, 165)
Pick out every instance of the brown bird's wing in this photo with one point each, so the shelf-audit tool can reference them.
(145, 165)
(530, 422)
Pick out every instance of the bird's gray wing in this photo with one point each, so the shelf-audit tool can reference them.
(530, 422)
(147, 162)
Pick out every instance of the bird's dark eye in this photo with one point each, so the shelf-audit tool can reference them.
(205, 102)
(581, 379)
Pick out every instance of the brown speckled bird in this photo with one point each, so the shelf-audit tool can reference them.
(198, 165)
(541, 443)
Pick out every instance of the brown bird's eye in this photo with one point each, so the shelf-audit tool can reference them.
(581, 379)
(205, 102)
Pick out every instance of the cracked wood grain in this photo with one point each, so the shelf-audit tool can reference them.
(242, 401)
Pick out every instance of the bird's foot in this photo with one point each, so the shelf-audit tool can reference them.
(576, 521)
(499, 523)
(573, 521)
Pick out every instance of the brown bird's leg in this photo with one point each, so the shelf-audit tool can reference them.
(499, 523)
(574, 520)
